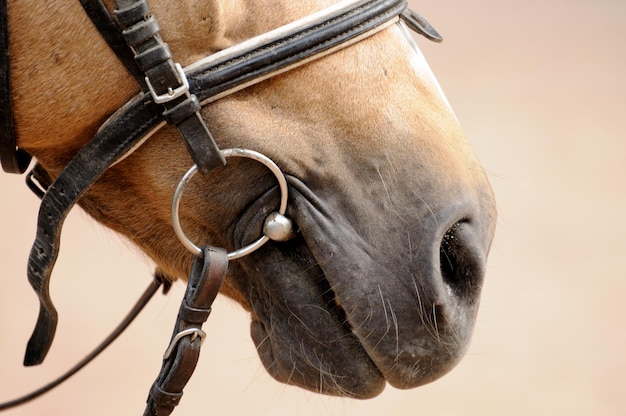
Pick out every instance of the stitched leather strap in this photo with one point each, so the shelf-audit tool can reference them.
(180, 359)
(212, 77)
(419, 25)
(164, 79)
(111, 33)
(227, 71)
(111, 142)
(12, 159)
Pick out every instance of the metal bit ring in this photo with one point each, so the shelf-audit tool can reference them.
(250, 154)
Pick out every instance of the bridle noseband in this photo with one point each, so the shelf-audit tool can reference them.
(174, 95)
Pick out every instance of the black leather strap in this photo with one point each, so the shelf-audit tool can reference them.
(419, 25)
(102, 20)
(12, 159)
(218, 76)
(110, 143)
(180, 359)
(153, 56)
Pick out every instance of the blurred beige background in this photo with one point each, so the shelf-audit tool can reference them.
(540, 88)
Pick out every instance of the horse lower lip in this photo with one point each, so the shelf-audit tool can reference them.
(351, 372)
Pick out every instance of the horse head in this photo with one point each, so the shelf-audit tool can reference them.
(393, 212)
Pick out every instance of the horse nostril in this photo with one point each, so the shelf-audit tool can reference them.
(460, 261)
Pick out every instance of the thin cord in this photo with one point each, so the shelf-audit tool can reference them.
(132, 314)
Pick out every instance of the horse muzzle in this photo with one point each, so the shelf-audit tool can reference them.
(352, 303)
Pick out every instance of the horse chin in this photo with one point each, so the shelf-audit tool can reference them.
(324, 316)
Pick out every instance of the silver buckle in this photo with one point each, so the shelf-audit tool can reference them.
(194, 332)
(171, 94)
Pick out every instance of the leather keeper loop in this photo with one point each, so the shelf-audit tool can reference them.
(182, 111)
(193, 315)
(141, 32)
(153, 56)
(164, 398)
(133, 14)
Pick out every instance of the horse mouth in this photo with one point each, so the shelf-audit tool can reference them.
(333, 315)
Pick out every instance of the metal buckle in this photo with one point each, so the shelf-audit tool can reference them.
(171, 94)
(194, 332)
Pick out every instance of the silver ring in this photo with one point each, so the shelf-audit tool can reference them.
(250, 154)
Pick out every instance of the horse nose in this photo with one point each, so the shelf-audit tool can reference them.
(447, 278)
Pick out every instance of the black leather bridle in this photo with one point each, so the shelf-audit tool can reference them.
(173, 95)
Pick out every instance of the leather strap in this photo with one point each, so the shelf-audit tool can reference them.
(180, 359)
(165, 79)
(111, 142)
(232, 69)
(12, 159)
(419, 25)
(212, 77)
(102, 20)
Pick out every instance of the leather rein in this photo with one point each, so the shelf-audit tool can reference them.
(173, 95)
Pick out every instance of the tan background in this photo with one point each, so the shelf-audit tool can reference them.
(540, 89)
